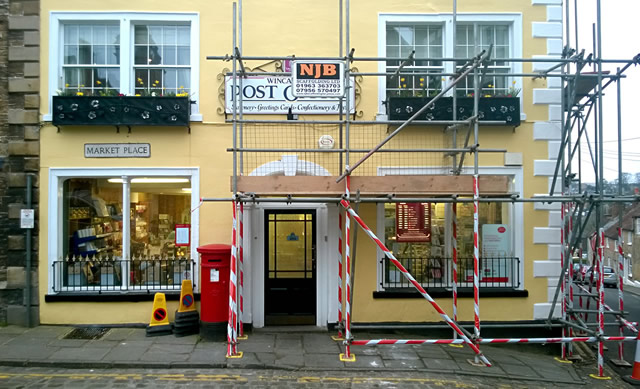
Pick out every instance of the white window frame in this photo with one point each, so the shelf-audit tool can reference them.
(514, 20)
(127, 21)
(55, 202)
(517, 212)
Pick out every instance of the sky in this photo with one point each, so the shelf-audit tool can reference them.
(619, 41)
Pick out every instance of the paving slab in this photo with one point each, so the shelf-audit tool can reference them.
(440, 364)
(13, 330)
(28, 352)
(68, 343)
(404, 363)
(209, 355)
(47, 331)
(519, 370)
(79, 354)
(323, 361)
(120, 353)
(366, 362)
(172, 339)
(118, 334)
(154, 355)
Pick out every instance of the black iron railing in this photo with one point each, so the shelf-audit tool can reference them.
(494, 272)
(87, 274)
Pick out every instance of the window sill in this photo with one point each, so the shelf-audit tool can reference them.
(112, 297)
(442, 292)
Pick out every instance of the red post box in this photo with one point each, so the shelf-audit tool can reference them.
(214, 290)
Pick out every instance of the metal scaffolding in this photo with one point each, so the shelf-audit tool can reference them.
(581, 100)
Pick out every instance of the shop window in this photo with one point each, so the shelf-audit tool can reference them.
(112, 53)
(429, 260)
(93, 242)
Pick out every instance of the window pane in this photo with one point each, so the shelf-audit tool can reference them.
(170, 80)
(392, 36)
(184, 36)
(71, 34)
(99, 55)
(99, 35)
(184, 55)
(70, 77)
(406, 35)
(170, 35)
(155, 35)
(84, 34)
(155, 55)
(169, 55)
(71, 54)
(92, 218)
(113, 55)
(113, 35)
(141, 35)
(84, 54)
(184, 78)
(140, 54)
(156, 209)
(113, 78)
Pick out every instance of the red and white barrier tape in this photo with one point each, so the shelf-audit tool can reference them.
(340, 323)
(454, 246)
(231, 328)
(476, 259)
(241, 268)
(590, 339)
(620, 289)
(347, 294)
(601, 304)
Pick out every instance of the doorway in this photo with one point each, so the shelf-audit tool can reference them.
(290, 264)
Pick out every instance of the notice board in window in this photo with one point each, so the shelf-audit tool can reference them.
(413, 222)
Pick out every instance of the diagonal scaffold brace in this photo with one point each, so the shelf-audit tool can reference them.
(413, 282)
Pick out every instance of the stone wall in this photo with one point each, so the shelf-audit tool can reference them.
(19, 151)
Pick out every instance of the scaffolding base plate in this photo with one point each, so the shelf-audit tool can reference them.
(597, 377)
(457, 345)
(337, 338)
(478, 363)
(237, 356)
(557, 359)
(343, 359)
(243, 337)
(620, 363)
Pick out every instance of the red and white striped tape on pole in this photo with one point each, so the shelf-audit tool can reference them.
(347, 289)
(620, 289)
(570, 276)
(563, 305)
(454, 246)
(340, 323)
(601, 303)
(476, 259)
(232, 326)
(413, 282)
(241, 268)
(590, 339)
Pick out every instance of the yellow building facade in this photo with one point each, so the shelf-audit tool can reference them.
(121, 200)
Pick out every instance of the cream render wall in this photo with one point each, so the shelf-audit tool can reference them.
(303, 28)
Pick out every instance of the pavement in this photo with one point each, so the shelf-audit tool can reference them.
(280, 348)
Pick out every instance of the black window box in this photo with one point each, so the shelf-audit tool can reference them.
(121, 111)
(505, 109)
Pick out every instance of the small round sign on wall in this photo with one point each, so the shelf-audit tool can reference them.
(502, 230)
(326, 142)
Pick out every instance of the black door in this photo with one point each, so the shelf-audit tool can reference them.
(290, 263)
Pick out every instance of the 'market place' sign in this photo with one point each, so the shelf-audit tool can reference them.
(274, 95)
(117, 150)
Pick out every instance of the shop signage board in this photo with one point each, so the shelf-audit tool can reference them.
(27, 218)
(183, 234)
(117, 150)
(496, 267)
(274, 95)
(318, 78)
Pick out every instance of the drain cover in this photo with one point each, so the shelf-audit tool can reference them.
(89, 333)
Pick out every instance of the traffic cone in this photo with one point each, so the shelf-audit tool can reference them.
(187, 321)
(159, 324)
(634, 378)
